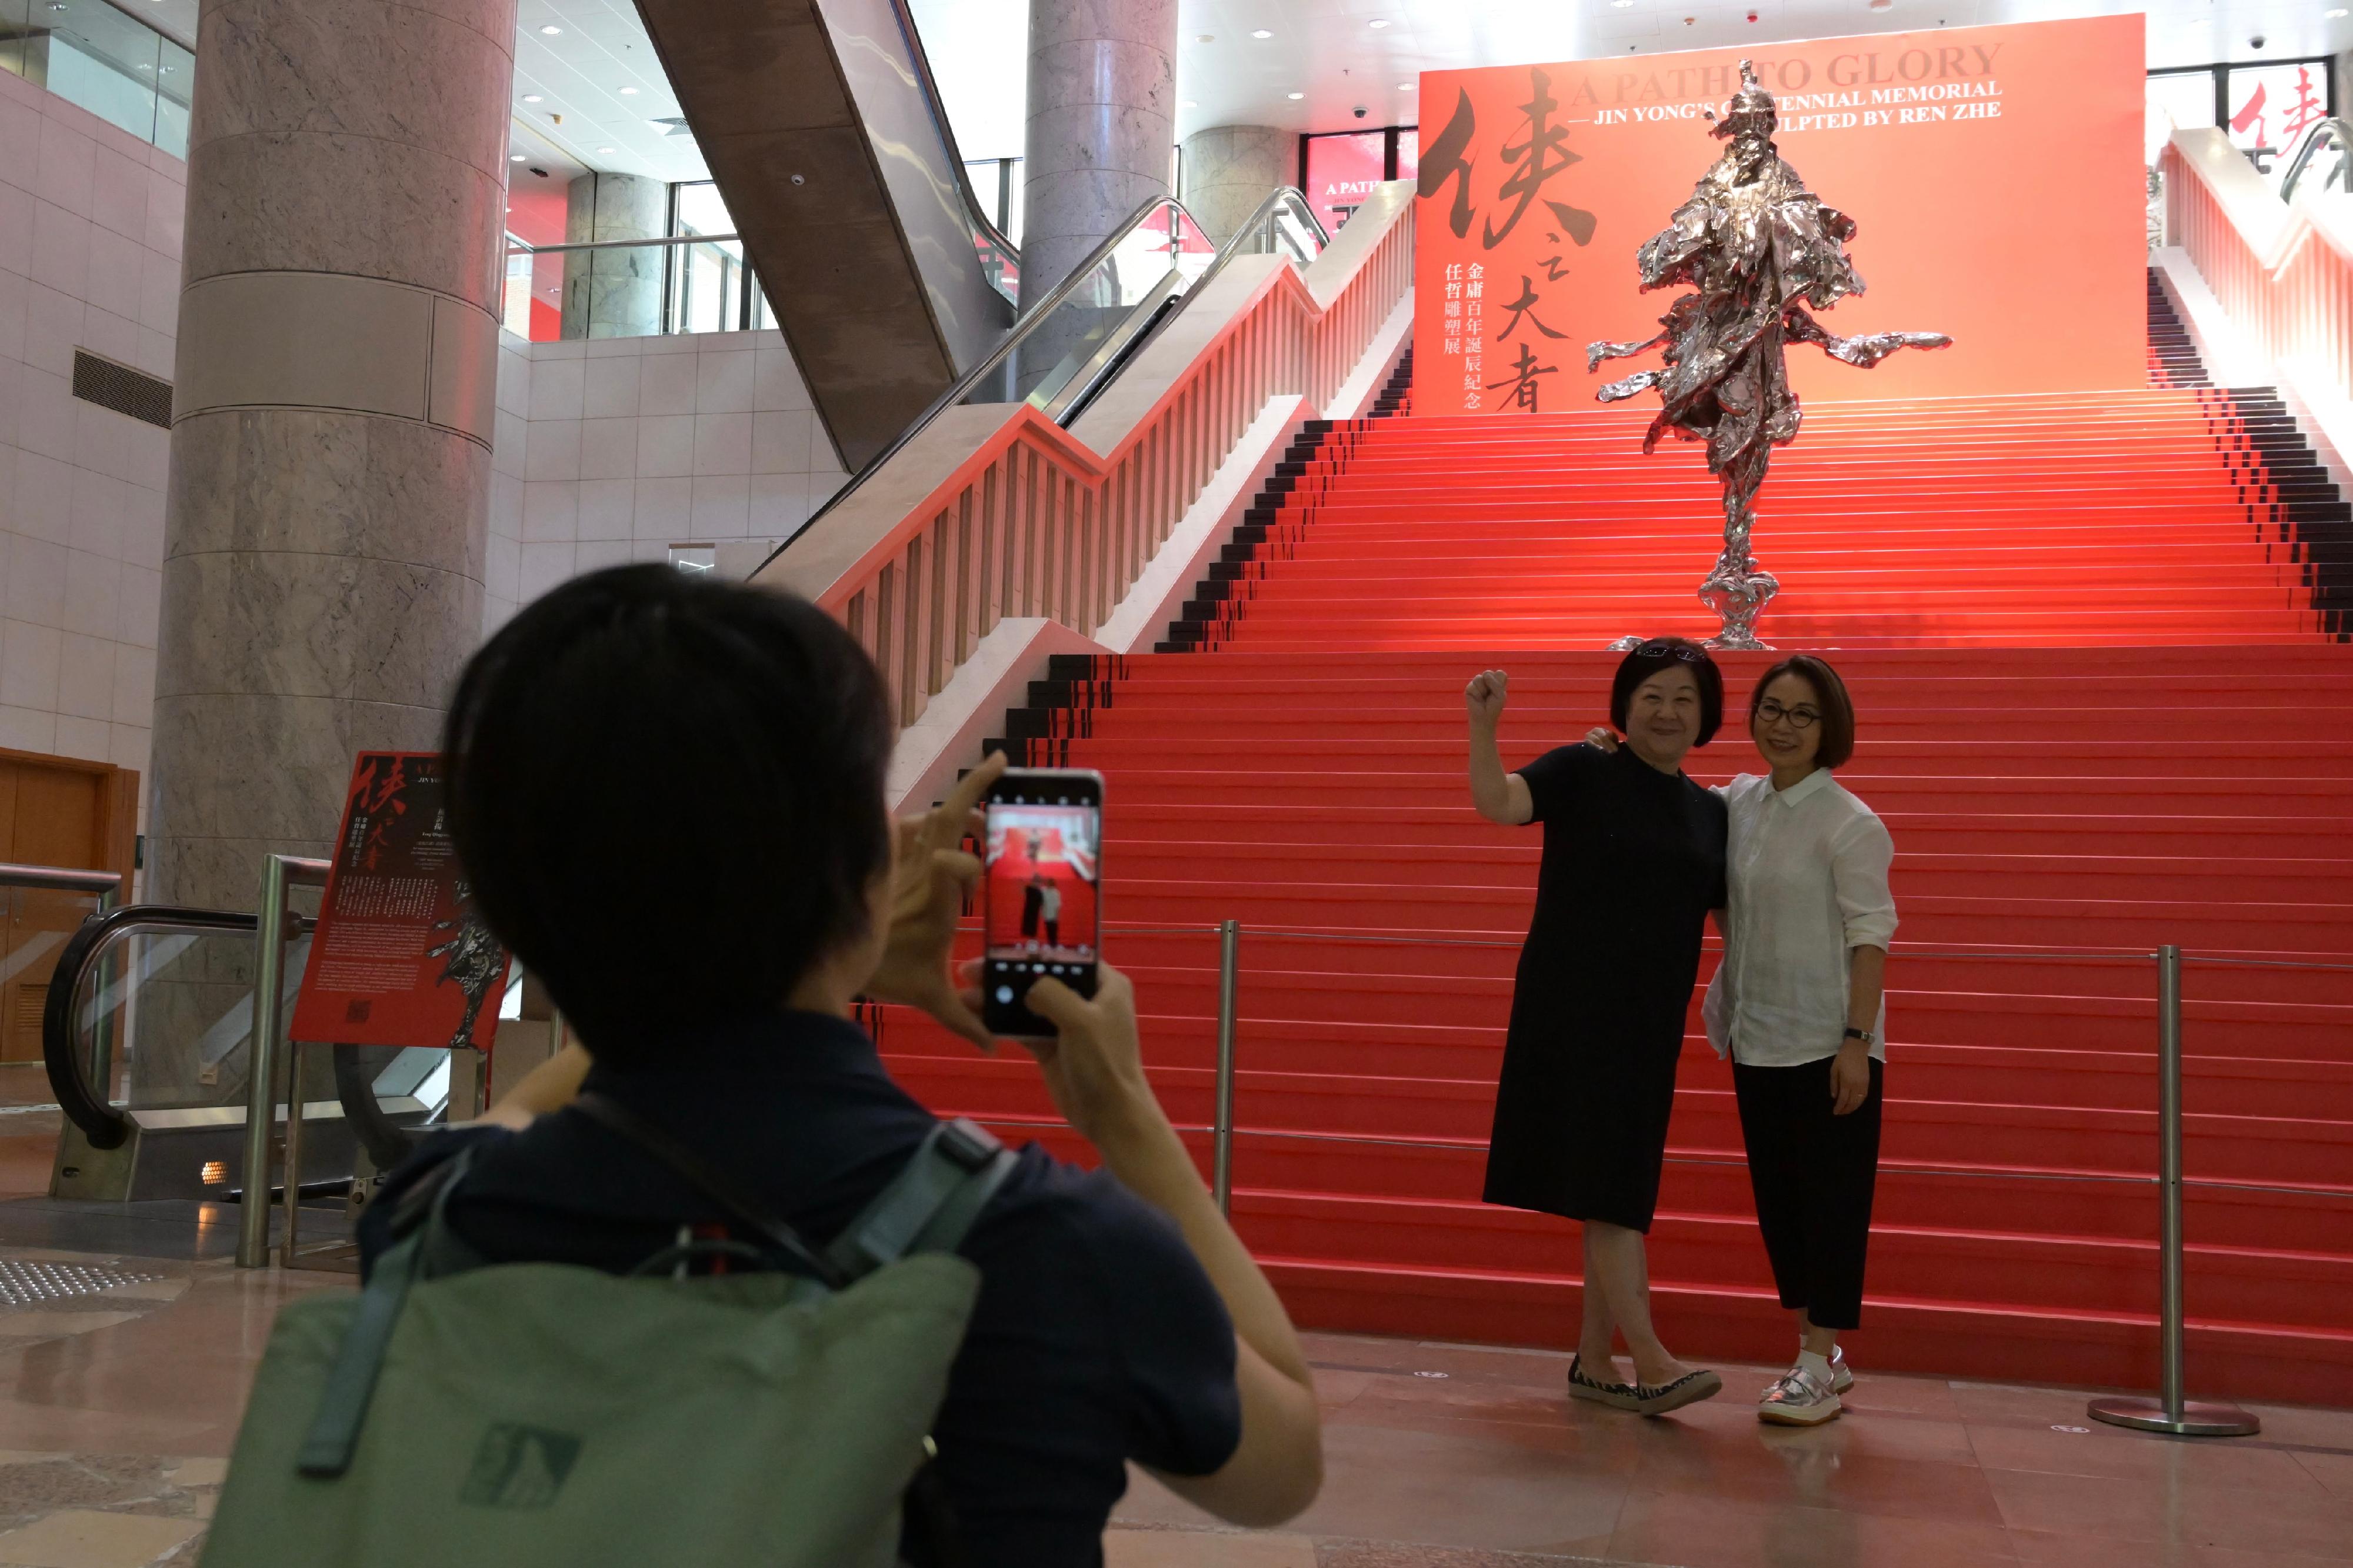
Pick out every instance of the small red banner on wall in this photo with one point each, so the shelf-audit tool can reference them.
(1994, 174)
(400, 957)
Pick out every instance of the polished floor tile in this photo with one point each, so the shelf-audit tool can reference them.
(117, 1409)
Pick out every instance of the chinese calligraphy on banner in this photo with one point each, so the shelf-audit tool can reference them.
(400, 957)
(1538, 182)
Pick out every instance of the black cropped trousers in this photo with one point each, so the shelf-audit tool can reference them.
(1813, 1174)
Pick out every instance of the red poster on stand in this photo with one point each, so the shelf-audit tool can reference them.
(400, 957)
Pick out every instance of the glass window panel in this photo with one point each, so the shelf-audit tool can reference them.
(2275, 106)
(700, 210)
(1013, 196)
(1409, 151)
(2185, 97)
(1342, 172)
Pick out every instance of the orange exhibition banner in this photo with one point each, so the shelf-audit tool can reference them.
(1995, 175)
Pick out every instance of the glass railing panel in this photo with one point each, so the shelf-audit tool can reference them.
(175, 84)
(1097, 303)
(103, 60)
(163, 1020)
(631, 289)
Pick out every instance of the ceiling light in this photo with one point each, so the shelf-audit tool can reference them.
(1206, 38)
(1378, 22)
(552, 30)
(1262, 33)
(607, 152)
(628, 92)
(533, 97)
(1405, 87)
(1296, 96)
(1189, 103)
(2334, 15)
(515, 157)
(1619, 4)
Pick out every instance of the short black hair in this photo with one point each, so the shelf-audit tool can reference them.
(1648, 660)
(1829, 696)
(667, 790)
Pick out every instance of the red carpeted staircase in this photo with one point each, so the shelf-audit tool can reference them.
(2098, 647)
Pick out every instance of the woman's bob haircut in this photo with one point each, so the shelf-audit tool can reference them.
(1829, 696)
(1664, 654)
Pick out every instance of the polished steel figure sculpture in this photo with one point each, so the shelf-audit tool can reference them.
(1759, 248)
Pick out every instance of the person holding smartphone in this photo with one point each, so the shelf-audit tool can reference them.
(612, 745)
(1799, 1005)
(1634, 861)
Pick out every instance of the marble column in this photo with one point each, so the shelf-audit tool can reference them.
(1229, 169)
(330, 480)
(614, 293)
(1102, 131)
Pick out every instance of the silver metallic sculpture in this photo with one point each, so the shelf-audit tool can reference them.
(1758, 248)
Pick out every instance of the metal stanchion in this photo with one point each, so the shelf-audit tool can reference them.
(278, 875)
(1230, 942)
(2172, 1411)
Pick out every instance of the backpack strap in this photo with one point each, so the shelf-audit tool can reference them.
(927, 1207)
(615, 1117)
(334, 1433)
(931, 1203)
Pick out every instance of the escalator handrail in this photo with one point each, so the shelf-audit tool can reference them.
(1074, 405)
(2336, 125)
(102, 1122)
(1262, 218)
(1027, 323)
(937, 107)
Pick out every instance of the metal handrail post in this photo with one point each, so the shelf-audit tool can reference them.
(2171, 1411)
(101, 1027)
(1221, 1182)
(272, 920)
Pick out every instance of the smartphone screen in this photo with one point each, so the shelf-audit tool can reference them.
(1043, 876)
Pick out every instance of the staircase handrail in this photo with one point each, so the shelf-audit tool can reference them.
(992, 510)
(2283, 272)
(2335, 126)
(990, 364)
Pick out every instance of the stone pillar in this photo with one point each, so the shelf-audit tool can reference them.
(1102, 130)
(1229, 169)
(330, 450)
(614, 293)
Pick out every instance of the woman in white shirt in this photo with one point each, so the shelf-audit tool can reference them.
(1798, 1005)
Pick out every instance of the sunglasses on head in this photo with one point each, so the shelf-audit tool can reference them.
(1671, 650)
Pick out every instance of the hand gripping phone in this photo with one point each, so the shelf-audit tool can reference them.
(1042, 880)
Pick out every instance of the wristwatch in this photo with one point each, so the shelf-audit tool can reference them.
(1865, 1036)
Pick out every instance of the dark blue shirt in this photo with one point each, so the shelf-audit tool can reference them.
(1096, 1338)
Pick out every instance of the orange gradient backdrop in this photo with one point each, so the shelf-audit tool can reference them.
(1996, 174)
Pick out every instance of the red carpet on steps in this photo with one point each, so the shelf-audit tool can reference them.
(2093, 642)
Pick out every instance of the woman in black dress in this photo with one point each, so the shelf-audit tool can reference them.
(1634, 861)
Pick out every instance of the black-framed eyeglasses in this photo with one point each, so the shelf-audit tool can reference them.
(1671, 650)
(1770, 712)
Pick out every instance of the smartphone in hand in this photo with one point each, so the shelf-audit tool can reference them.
(1043, 881)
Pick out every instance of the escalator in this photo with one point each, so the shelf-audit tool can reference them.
(824, 132)
(152, 994)
(1066, 351)
(827, 137)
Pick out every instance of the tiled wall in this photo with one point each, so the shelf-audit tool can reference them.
(620, 448)
(90, 257)
(604, 451)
